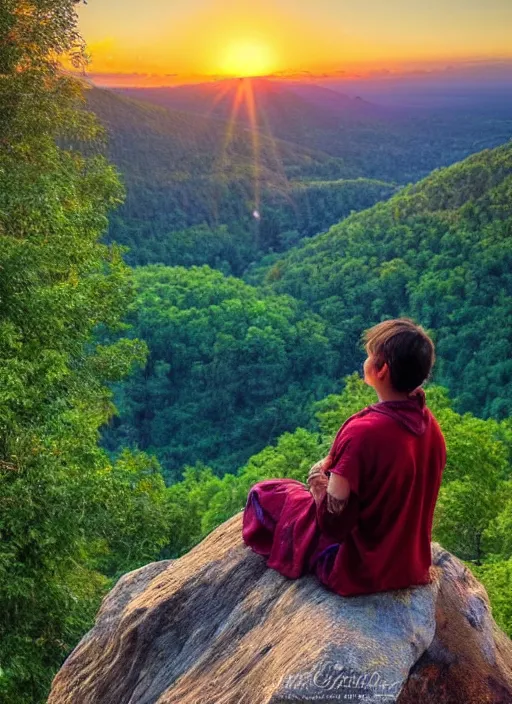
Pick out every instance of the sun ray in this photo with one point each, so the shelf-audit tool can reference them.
(266, 132)
(232, 118)
(251, 110)
(237, 101)
(247, 95)
(220, 95)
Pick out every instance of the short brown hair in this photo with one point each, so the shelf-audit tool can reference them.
(406, 348)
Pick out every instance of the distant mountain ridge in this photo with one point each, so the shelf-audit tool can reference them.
(262, 183)
(294, 95)
(391, 143)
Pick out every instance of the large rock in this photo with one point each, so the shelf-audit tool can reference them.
(217, 626)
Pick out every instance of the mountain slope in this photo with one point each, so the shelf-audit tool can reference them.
(439, 251)
(184, 171)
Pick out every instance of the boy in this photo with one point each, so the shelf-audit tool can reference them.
(376, 490)
(365, 523)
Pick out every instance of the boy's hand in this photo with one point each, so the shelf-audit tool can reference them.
(319, 469)
(318, 479)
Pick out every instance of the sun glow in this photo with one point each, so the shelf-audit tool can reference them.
(247, 59)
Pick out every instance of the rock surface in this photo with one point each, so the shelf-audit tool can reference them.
(218, 627)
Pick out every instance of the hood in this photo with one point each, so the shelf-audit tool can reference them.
(411, 413)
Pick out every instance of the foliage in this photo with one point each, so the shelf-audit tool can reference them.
(201, 501)
(58, 284)
(476, 485)
(496, 576)
(130, 521)
(440, 252)
(188, 405)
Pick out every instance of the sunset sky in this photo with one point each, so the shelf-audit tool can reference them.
(230, 37)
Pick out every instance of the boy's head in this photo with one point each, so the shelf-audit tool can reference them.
(400, 355)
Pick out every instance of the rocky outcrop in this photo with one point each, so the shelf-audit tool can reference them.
(218, 627)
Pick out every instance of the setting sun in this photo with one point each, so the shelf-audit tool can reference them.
(247, 59)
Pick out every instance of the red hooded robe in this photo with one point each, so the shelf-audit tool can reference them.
(393, 454)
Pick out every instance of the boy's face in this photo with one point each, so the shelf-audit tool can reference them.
(372, 377)
(380, 380)
(367, 375)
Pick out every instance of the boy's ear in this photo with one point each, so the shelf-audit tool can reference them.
(382, 371)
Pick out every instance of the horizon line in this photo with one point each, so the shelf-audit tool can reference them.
(414, 69)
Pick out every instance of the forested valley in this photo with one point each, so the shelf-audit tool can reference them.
(179, 319)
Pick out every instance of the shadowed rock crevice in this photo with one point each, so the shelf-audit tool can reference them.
(218, 627)
(469, 659)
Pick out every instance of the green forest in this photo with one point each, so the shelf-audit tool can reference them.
(143, 392)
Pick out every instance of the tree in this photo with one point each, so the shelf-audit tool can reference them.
(229, 369)
(58, 285)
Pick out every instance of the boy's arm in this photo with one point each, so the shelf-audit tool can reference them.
(336, 507)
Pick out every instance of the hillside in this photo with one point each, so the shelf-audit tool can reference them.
(224, 173)
(439, 251)
(184, 171)
(229, 369)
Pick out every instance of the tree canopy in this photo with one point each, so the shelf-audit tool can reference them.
(440, 251)
(58, 285)
(228, 369)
